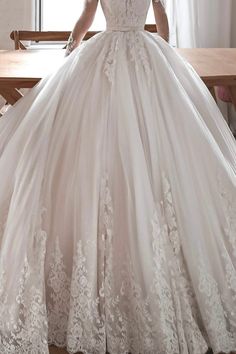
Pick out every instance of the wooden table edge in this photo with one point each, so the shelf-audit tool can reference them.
(18, 82)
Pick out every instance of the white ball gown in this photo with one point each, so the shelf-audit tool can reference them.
(118, 203)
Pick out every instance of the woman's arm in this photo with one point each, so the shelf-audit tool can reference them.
(161, 19)
(82, 25)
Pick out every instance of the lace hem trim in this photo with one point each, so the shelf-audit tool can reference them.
(117, 317)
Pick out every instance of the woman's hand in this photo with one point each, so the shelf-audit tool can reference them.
(161, 19)
(82, 25)
(71, 45)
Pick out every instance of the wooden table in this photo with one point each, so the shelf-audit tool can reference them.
(216, 67)
(25, 68)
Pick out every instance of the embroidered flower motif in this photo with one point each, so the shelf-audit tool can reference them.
(110, 60)
(58, 291)
(177, 304)
(125, 12)
(106, 309)
(214, 314)
(23, 324)
(138, 52)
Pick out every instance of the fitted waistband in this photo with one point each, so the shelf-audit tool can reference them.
(125, 28)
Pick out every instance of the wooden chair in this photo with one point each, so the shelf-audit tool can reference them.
(52, 36)
(19, 37)
(42, 36)
(36, 36)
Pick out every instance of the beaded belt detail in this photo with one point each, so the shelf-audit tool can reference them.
(125, 28)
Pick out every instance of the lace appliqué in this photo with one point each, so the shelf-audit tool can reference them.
(111, 57)
(138, 52)
(58, 285)
(125, 12)
(116, 310)
(214, 315)
(219, 315)
(23, 324)
(97, 309)
(182, 327)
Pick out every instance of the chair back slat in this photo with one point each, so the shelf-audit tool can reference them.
(52, 36)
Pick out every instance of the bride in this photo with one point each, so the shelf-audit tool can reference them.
(118, 201)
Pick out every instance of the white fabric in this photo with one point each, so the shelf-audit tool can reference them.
(118, 203)
(200, 23)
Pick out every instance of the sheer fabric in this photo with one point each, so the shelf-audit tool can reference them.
(118, 203)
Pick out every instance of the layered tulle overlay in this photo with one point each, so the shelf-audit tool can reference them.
(118, 207)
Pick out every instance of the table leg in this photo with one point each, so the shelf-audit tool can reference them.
(11, 95)
(233, 95)
(213, 92)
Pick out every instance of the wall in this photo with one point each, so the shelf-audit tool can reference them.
(14, 14)
(233, 33)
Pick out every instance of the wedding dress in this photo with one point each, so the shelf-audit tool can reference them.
(118, 203)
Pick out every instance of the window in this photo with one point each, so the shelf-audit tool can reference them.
(54, 15)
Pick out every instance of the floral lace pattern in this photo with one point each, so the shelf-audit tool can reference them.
(125, 13)
(58, 285)
(113, 313)
(138, 52)
(135, 51)
(23, 324)
(125, 16)
(110, 60)
(178, 306)
(219, 315)
(215, 316)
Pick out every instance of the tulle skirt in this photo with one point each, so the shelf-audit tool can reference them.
(118, 207)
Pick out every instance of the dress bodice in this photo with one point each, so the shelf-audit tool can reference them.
(125, 14)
